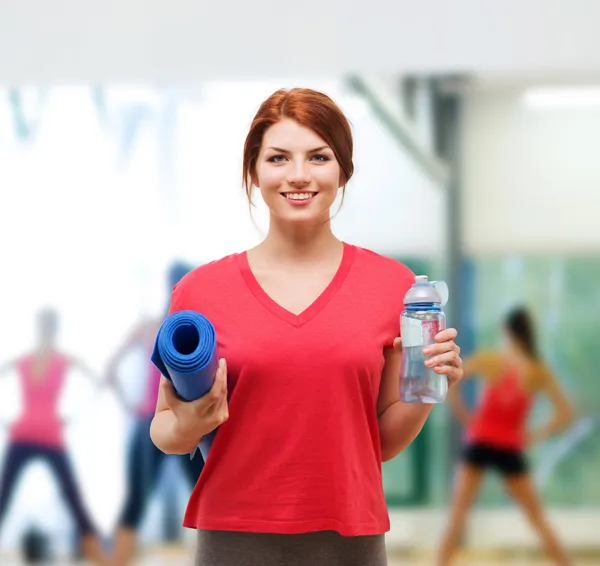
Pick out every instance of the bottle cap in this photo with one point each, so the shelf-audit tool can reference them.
(425, 291)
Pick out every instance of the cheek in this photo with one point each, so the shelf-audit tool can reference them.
(270, 183)
(328, 177)
(270, 178)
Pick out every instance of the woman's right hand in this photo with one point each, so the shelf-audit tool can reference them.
(194, 419)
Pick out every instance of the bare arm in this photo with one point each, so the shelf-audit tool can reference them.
(7, 366)
(111, 371)
(164, 431)
(563, 409)
(86, 370)
(479, 364)
(399, 423)
(472, 366)
(132, 339)
(178, 426)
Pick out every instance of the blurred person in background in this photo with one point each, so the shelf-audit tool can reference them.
(145, 460)
(497, 434)
(38, 433)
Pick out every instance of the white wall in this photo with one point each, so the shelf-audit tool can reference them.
(186, 40)
(531, 175)
(90, 233)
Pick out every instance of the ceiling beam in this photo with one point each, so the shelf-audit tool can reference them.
(387, 109)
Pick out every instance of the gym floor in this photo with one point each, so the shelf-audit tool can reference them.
(178, 556)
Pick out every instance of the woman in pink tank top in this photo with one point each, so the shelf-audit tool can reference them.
(38, 432)
(497, 434)
(144, 459)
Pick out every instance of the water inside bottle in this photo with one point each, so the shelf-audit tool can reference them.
(418, 383)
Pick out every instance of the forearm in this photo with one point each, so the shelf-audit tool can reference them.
(111, 371)
(399, 425)
(167, 437)
(459, 407)
(554, 426)
(6, 367)
(81, 366)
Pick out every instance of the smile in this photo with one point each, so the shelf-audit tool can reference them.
(299, 196)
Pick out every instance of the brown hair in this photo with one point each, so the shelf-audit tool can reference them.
(311, 109)
(520, 325)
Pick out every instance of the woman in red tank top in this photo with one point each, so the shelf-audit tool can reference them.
(497, 433)
(38, 433)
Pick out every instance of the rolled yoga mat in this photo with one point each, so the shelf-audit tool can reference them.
(185, 352)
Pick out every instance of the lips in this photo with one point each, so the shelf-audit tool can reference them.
(298, 196)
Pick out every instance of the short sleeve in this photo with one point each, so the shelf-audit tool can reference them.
(175, 301)
(400, 281)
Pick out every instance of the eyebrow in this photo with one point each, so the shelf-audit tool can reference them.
(278, 149)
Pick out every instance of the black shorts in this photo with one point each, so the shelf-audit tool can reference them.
(505, 462)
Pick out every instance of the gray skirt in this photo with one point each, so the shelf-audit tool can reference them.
(324, 548)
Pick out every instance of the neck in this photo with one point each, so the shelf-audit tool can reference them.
(517, 351)
(44, 347)
(299, 243)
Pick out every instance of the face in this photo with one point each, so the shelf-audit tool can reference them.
(297, 173)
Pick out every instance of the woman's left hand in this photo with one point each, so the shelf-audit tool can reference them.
(443, 356)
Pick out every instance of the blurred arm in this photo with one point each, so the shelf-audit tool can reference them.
(563, 409)
(132, 339)
(76, 363)
(399, 423)
(111, 372)
(7, 366)
(86, 370)
(474, 365)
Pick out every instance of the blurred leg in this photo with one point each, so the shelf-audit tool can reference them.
(522, 490)
(143, 465)
(466, 489)
(17, 455)
(90, 541)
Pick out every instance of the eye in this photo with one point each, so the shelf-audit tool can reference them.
(320, 157)
(276, 159)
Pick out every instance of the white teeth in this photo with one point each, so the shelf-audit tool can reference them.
(298, 196)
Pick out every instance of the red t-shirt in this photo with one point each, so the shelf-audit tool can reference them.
(300, 451)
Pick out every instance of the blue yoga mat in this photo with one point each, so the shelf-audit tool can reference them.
(185, 352)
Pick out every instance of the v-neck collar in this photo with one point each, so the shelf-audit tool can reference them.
(315, 307)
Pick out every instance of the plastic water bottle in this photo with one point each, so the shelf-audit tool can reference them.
(421, 320)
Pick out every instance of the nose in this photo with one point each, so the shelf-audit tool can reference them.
(298, 174)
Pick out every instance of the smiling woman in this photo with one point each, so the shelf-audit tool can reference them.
(306, 397)
(296, 165)
(299, 147)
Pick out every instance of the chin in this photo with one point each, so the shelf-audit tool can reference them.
(304, 217)
(311, 213)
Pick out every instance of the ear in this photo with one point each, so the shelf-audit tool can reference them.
(254, 180)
